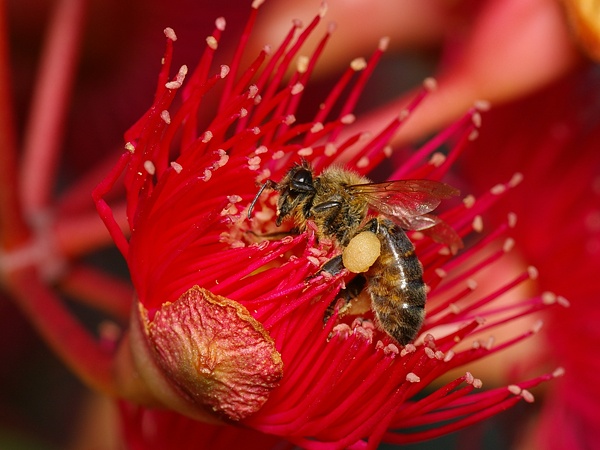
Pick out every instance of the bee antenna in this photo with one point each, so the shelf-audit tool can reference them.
(304, 163)
(269, 184)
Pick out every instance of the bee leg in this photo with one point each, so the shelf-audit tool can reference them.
(353, 288)
(275, 235)
(333, 266)
(372, 226)
(328, 212)
(327, 206)
(336, 264)
(352, 291)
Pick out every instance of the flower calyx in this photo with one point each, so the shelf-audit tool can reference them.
(211, 352)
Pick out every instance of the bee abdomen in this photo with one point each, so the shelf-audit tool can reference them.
(396, 285)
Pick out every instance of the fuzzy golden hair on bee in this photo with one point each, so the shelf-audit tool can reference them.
(350, 210)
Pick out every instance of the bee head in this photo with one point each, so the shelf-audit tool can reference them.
(301, 181)
(295, 190)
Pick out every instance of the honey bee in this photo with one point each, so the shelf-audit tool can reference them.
(342, 205)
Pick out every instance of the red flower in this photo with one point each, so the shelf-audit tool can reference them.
(229, 327)
(554, 140)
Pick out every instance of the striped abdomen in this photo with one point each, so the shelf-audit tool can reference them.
(395, 283)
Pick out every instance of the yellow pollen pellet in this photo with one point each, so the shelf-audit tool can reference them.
(362, 251)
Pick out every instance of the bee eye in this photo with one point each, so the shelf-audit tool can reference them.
(302, 181)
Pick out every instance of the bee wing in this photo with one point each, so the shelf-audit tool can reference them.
(407, 203)
(444, 234)
(432, 226)
(404, 198)
(416, 223)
